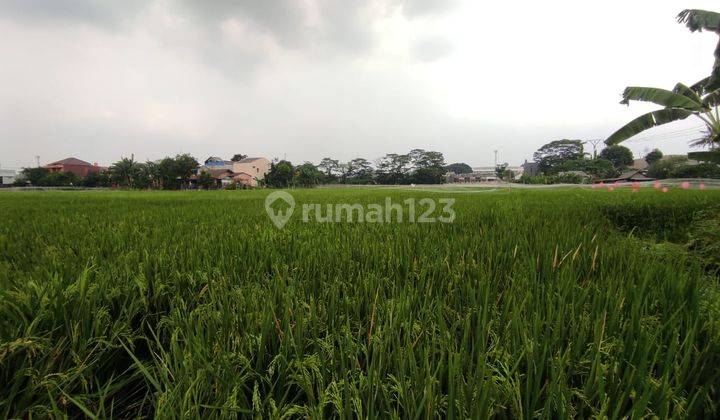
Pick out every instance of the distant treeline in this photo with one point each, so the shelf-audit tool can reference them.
(416, 167)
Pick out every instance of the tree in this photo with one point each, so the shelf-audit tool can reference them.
(171, 171)
(428, 166)
(205, 180)
(699, 20)
(666, 167)
(307, 175)
(329, 166)
(34, 175)
(60, 179)
(360, 171)
(459, 168)
(122, 172)
(97, 179)
(620, 156)
(501, 169)
(680, 103)
(653, 156)
(393, 169)
(598, 168)
(238, 157)
(553, 155)
(700, 100)
(280, 175)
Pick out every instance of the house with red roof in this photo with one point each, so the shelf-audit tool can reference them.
(74, 165)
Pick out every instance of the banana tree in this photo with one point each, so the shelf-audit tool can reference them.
(699, 100)
(680, 103)
(698, 21)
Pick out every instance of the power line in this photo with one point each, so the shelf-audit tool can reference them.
(669, 134)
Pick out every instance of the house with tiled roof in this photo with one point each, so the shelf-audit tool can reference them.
(74, 165)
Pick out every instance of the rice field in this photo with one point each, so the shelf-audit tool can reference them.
(550, 304)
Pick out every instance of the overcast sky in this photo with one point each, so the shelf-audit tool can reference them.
(306, 79)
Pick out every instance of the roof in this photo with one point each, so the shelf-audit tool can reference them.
(70, 161)
(219, 173)
(640, 164)
(631, 176)
(249, 160)
(242, 174)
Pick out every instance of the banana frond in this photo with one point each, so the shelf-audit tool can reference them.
(649, 120)
(661, 97)
(700, 20)
(712, 99)
(691, 93)
(700, 87)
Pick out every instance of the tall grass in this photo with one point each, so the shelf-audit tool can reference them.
(194, 305)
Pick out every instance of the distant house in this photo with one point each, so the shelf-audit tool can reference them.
(245, 179)
(73, 165)
(530, 168)
(256, 167)
(214, 163)
(222, 177)
(7, 176)
(639, 164)
(631, 176)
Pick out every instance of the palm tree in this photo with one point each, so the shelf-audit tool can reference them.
(123, 171)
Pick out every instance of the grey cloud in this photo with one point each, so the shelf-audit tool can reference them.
(284, 19)
(431, 49)
(97, 12)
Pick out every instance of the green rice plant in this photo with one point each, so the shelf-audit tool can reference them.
(532, 303)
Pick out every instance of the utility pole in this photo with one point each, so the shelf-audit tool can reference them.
(496, 158)
(594, 143)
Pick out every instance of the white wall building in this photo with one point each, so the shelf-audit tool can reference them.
(7, 176)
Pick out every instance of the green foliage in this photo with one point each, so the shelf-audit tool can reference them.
(653, 156)
(59, 179)
(712, 156)
(280, 175)
(553, 155)
(534, 180)
(97, 180)
(394, 169)
(172, 172)
(620, 156)
(568, 178)
(647, 121)
(179, 305)
(699, 20)
(597, 168)
(704, 238)
(307, 175)
(34, 175)
(205, 180)
(666, 167)
(702, 170)
(458, 168)
(682, 102)
(501, 170)
(678, 167)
